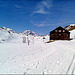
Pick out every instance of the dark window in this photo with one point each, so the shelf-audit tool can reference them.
(59, 34)
(56, 36)
(65, 37)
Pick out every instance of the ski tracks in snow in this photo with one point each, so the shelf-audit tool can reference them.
(71, 67)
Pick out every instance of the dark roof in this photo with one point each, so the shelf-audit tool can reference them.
(59, 28)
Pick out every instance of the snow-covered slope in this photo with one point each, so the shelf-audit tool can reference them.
(72, 34)
(70, 27)
(7, 35)
(39, 58)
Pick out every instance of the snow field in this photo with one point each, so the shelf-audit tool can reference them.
(38, 57)
(49, 58)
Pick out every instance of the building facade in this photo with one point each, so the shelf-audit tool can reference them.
(59, 34)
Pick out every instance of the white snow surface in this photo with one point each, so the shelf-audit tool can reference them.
(38, 57)
(72, 34)
(7, 35)
(70, 26)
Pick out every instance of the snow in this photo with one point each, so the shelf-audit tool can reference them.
(70, 26)
(38, 57)
(9, 29)
(6, 36)
(28, 32)
(72, 34)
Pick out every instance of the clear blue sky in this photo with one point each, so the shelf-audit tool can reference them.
(40, 16)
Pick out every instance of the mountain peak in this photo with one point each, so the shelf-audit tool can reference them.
(29, 32)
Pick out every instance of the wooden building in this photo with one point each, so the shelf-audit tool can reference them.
(59, 34)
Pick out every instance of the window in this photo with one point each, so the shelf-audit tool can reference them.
(63, 30)
(52, 34)
(56, 34)
(59, 34)
(59, 30)
(55, 30)
(66, 34)
(65, 37)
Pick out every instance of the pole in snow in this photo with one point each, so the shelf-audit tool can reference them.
(28, 42)
(24, 39)
(33, 40)
(43, 39)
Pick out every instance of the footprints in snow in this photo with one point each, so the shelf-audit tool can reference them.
(35, 65)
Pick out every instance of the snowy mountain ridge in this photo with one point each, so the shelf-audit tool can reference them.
(7, 34)
(70, 27)
(7, 29)
(28, 32)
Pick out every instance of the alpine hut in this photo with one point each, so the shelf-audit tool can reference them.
(59, 34)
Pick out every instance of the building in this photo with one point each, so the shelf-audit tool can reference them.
(59, 34)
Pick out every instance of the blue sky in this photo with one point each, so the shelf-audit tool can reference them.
(40, 16)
